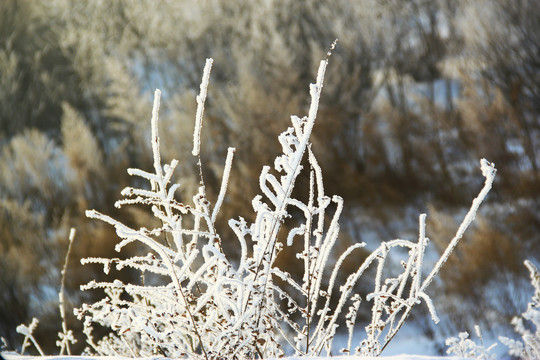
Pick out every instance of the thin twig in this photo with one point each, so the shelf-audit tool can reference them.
(61, 295)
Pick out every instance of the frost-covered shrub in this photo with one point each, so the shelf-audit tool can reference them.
(529, 346)
(194, 301)
(527, 349)
(467, 348)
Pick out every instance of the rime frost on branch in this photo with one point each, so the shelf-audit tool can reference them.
(200, 107)
(200, 304)
(529, 346)
(467, 348)
(27, 332)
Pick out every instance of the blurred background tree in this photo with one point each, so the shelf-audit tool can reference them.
(416, 93)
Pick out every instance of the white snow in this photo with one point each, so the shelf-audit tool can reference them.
(15, 356)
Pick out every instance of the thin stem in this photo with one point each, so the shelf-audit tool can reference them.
(65, 341)
(488, 170)
(307, 246)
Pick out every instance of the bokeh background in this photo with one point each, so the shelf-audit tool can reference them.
(416, 93)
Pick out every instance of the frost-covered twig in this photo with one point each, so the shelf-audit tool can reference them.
(529, 345)
(66, 336)
(224, 183)
(466, 348)
(418, 293)
(200, 107)
(488, 170)
(27, 332)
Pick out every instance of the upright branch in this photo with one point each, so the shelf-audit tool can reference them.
(488, 170)
(294, 142)
(201, 98)
(66, 336)
(270, 215)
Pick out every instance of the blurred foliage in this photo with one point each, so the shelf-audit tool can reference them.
(416, 93)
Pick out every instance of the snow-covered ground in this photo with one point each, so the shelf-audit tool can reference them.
(14, 356)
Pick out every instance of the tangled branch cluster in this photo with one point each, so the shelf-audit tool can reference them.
(194, 301)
